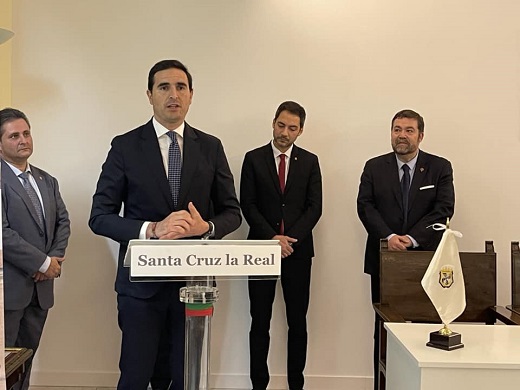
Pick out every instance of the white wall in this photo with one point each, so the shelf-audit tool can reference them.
(5, 54)
(79, 72)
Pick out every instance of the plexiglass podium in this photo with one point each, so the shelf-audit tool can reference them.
(199, 263)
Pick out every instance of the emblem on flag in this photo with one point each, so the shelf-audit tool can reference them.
(446, 276)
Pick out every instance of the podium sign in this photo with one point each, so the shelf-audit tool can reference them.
(197, 262)
(163, 259)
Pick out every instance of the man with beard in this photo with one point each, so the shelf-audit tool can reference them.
(281, 198)
(400, 195)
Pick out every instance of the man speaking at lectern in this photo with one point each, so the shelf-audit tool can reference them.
(400, 195)
(172, 182)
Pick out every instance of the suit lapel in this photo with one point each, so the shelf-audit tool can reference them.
(393, 176)
(421, 168)
(294, 167)
(12, 181)
(46, 199)
(271, 166)
(152, 156)
(191, 155)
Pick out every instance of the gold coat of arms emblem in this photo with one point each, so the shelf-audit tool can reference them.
(446, 276)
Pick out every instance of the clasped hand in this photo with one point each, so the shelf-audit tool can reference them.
(399, 243)
(54, 270)
(181, 224)
(286, 244)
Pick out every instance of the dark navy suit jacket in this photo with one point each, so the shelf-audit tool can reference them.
(380, 208)
(133, 177)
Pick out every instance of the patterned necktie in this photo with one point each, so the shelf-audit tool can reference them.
(33, 196)
(174, 167)
(405, 189)
(281, 180)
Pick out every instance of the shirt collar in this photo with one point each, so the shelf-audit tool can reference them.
(160, 130)
(410, 163)
(276, 152)
(17, 171)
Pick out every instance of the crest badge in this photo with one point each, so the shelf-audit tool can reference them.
(446, 276)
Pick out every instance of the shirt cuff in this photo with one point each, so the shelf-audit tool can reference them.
(142, 232)
(45, 265)
(415, 243)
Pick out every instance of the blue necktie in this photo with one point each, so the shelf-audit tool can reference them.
(405, 189)
(33, 196)
(174, 167)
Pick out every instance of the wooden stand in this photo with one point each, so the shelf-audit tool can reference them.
(15, 359)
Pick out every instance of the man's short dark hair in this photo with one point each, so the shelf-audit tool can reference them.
(168, 64)
(294, 108)
(411, 115)
(10, 114)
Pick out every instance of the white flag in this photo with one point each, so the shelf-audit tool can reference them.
(443, 280)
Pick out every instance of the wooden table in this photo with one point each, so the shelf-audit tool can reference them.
(15, 359)
(516, 309)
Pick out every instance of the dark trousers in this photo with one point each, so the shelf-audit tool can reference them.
(23, 328)
(375, 290)
(295, 279)
(152, 349)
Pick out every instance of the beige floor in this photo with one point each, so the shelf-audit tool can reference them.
(70, 388)
(83, 388)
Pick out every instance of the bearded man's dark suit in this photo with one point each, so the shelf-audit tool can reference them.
(380, 207)
(133, 177)
(25, 247)
(264, 206)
